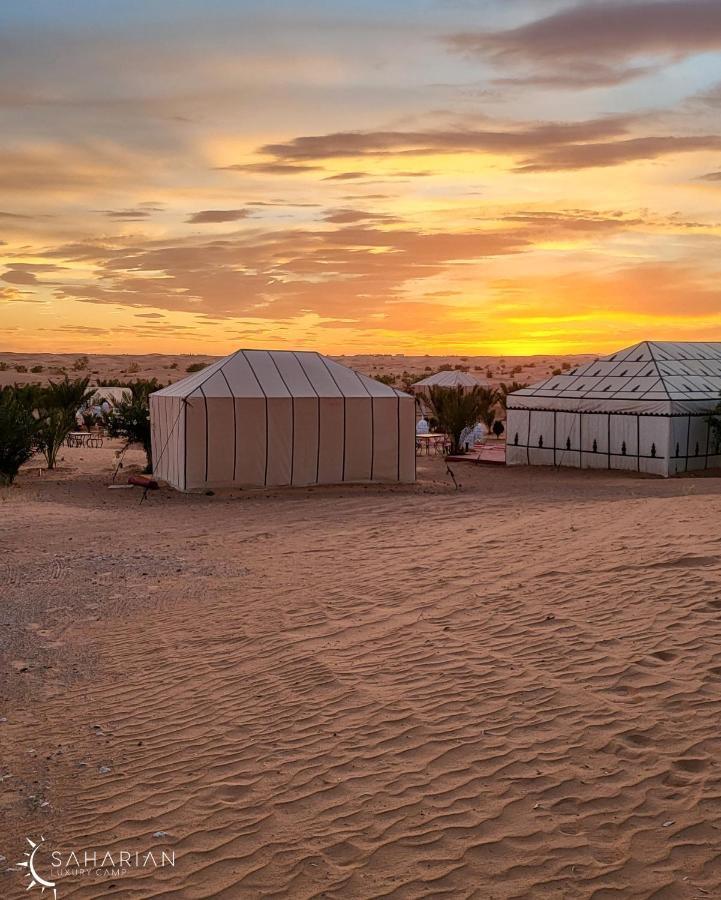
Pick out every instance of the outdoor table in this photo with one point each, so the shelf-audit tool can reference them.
(431, 443)
(84, 439)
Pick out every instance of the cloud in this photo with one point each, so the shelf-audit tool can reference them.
(589, 75)
(26, 273)
(347, 176)
(218, 215)
(509, 139)
(345, 216)
(711, 176)
(70, 168)
(548, 146)
(569, 222)
(710, 97)
(269, 168)
(11, 295)
(614, 153)
(352, 176)
(589, 45)
(350, 272)
(9, 215)
(128, 215)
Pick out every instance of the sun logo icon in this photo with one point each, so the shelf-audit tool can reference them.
(32, 872)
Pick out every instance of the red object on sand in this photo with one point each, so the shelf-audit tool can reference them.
(143, 481)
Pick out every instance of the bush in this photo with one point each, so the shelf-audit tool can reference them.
(130, 419)
(21, 368)
(408, 380)
(112, 382)
(18, 433)
(36, 369)
(81, 363)
(196, 367)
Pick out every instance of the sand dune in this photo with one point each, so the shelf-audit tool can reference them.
(510, 691)
(23, 368)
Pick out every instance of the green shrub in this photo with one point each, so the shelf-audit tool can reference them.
(18, 433)
(130, 419)
(196, 367)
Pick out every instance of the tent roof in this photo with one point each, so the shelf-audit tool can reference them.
(665, 374)
(112, 393)
(277, 373)
(454, 378)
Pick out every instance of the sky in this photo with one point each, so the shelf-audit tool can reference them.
(411, 176)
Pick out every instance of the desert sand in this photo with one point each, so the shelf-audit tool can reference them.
(17, 368)
(511, 690)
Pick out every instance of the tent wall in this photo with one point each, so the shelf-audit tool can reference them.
(167, 439)
(657, 445)
(283, 440)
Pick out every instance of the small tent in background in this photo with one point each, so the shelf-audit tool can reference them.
(450, 379)
(278, 417)
(644, 408)
(111, 395)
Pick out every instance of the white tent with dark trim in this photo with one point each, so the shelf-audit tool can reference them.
(644, 408)
(278, 417)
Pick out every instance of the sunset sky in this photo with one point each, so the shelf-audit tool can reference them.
(476, 176)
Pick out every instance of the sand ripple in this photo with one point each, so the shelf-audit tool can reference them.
(412, 695)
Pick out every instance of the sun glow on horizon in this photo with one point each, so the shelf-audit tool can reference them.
(367, 181)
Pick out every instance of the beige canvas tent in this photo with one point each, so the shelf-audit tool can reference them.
(278, 417)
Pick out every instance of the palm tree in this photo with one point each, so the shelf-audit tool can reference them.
(456, 409)
(507, 389)
(487, 398)
(57, 407)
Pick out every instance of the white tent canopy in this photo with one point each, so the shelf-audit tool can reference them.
(449, 379)
(112, 395)
(643, 408)
(278, 417)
